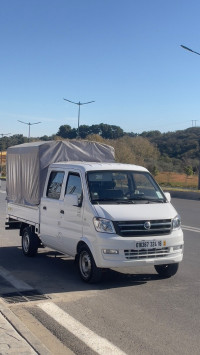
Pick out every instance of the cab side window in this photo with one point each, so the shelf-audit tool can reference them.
(74, 185)
(55, 184)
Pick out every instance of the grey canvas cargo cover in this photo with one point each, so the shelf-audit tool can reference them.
(27, 165)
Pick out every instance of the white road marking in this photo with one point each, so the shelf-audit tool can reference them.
(18, 284)
(191, 229)
(2, 192)
(100, 345)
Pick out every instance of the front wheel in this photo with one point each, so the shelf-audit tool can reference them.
(30, 242)
(88, 270)
(167, 270)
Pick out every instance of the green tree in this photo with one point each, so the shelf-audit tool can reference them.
(154, 170)
(110, 131)
(65, 131)
(188, 170)
(84, 131)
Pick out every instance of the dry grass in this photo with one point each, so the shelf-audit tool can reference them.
(167, 179)
(177, 180)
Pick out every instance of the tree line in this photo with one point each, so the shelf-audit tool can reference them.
(177, 151)
(106, 131)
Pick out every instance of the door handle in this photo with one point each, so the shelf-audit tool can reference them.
(62, 211)
(44, 208)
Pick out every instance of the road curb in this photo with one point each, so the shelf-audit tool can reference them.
(24, 332)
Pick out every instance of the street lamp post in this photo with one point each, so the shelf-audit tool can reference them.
(79, 104)
(29, 124)
(191, 50)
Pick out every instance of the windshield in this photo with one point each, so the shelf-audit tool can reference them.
(123, 187)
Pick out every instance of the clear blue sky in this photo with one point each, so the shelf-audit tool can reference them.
(124, 54)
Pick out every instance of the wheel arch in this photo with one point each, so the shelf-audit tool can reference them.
(88, 270)
(30, 240)
(26, 225)
(85, 241)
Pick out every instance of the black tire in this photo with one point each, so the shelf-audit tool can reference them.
(30, 242)
(167, 270)
(87, 268)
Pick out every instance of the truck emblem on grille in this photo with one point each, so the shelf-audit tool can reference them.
(147, 225)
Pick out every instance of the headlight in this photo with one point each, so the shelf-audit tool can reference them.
(176, 222)
(103, 225)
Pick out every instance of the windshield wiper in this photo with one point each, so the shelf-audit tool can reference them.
(155, 200)
(149, 200)
(101, 200)
(128, 201)
(117, 201)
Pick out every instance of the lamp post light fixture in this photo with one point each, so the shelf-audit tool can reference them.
(188, 49)
(29, 124)
(79, 104)
(191, 50)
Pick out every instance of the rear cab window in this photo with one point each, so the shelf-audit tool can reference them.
(55, 184)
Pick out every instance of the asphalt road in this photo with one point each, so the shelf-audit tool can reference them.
(132, 311)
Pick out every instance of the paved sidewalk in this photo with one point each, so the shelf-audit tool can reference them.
(11, 340)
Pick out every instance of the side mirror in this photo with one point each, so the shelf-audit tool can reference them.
(71, 200)
(168, 196)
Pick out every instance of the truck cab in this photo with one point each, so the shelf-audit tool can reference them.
(109, 215)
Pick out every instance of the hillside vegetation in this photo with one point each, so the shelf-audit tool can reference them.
(159, 152)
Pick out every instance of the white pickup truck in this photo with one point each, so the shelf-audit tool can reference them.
(105, 214)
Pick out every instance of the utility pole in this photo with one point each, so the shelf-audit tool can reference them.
(191, 50)
(79, 104)
(2, 135)
(29, 124)
(195, 123)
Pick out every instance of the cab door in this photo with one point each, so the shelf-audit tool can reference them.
(51, 205)
(72, 213)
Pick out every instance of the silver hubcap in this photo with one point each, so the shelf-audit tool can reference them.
(85, 264)
(26, 243)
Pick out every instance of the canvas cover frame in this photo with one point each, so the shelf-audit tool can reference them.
(27, 165)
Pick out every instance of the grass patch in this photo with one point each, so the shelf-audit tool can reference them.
(176, 180)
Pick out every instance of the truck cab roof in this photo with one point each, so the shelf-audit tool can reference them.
(89, 166)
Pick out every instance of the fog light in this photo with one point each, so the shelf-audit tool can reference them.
(177, 247)
(110, 251)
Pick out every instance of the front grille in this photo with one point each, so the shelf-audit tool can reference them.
(137, 228)
(145, 253)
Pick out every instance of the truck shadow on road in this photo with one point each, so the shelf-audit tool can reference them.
(53, 273)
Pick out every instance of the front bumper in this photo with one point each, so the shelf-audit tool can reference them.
(128, 255)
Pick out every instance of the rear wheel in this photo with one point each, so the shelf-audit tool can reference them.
(30, 242)
(167, 270)
(88, 270)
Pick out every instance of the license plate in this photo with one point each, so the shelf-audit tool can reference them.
(150, 244)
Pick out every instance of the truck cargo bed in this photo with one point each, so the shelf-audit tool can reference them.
(21, 213)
